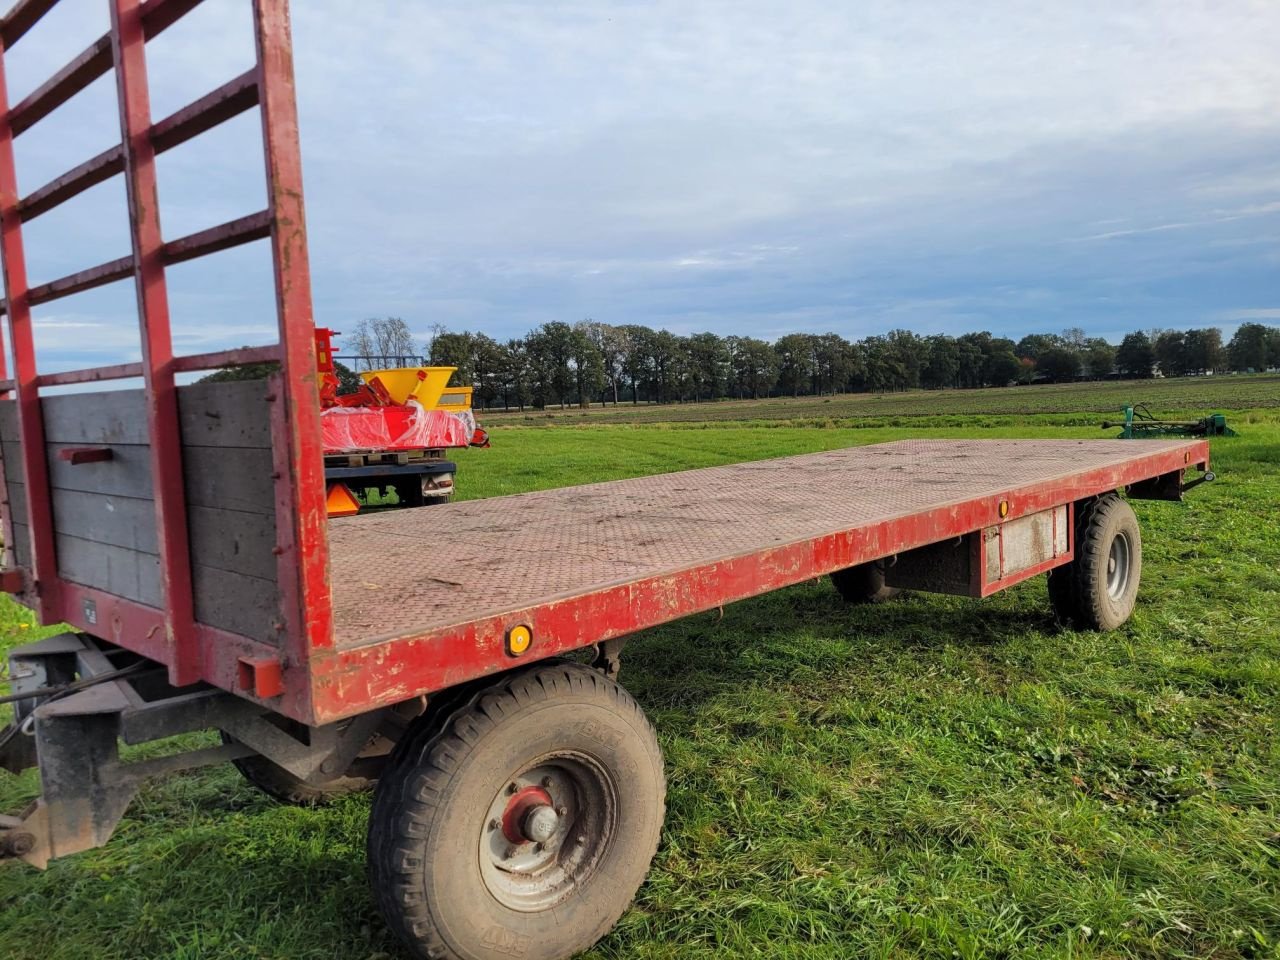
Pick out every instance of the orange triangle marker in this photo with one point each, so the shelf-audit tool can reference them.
(340, 501)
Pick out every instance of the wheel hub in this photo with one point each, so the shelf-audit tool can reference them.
(529, 816)
(1118, 562)
(545, 832)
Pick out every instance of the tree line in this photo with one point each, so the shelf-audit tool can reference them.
(578, 364)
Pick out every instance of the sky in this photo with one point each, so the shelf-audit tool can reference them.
(739, 166)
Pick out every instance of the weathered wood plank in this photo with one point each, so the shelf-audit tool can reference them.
(22, 544)
(237, 603)
(230, 478)
(16, 496)
(126, 474)
(118, 570)
(110, 417)
(127, 522)
(9, 420)
(234, 541)
(233, 414)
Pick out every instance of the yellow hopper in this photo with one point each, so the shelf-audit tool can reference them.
(424, 384)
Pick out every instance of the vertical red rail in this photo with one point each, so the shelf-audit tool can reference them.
(35, 469)
(304, 567)
(128, 40)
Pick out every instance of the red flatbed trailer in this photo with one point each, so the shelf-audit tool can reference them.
(180, 531)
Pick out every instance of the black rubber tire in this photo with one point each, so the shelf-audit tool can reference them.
(1081, 592)
(433, 803)
(279, 784)
(863, 583)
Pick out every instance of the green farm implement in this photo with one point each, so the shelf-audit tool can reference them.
(1140, 424)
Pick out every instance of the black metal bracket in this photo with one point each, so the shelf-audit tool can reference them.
(608, 658)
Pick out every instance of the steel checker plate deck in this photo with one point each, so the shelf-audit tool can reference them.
(437, 589)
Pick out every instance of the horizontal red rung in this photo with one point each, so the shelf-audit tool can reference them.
(91, 64)
(97, 276)
(160, 15)
(88, 66)
(229, 100)
(227, 358)
(256, 226)
(21, 18)
(121, 371)
(89, 174)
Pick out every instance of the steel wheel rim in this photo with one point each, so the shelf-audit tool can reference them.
(1119, 563)
(570, 834)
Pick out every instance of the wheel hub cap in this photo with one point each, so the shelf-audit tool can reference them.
(546, 830)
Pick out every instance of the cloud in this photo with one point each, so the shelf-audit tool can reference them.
(740, 166)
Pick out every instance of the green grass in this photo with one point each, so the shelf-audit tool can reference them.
(934, 777)
(1197, 395)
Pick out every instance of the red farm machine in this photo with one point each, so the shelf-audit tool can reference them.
(387, 439)
(181, 534)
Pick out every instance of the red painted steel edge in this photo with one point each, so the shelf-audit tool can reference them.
(129, 43)
(35, 469)
(351, 681)
(141, 629)
(300, 488)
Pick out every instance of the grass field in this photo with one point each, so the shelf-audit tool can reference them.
(1056, 403)
(935, 777)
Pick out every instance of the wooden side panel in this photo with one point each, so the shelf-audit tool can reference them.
(104, 512)
(226, 435)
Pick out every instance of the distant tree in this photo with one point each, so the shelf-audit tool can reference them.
(795, 363)
(551, 350)
(454, 350)
(1135, 357)
(1002, 368)
(245, 371)
(942, 362)
(1033, 345)
(384, 341)
(1000, 365)
(588, 363)
(834, 362)
(1074, 339)
(755, 367)
(1204, 351)
(1272, 347)
(1250, 348)
(907, 353)
(513, 374)
(708, 367)
(1171, 353)
(971, 357)
(1059, 364)
(637, 357)
(1099, 358)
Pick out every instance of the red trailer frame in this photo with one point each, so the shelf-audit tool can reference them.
(313, 675)
(311, 681)
(169, 633)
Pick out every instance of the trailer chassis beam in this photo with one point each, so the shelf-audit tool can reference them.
(74, 737)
